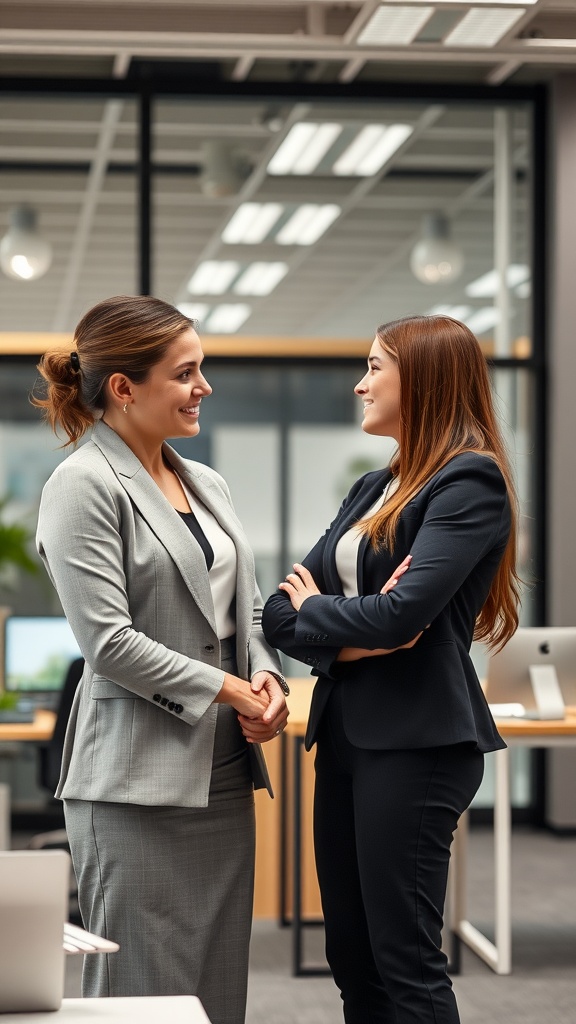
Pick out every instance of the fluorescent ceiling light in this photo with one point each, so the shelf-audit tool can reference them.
(303, 148)
(548, 42)
(483, 320)
(213, 277)
(456, 312)
(371, 148)
(442, 3)
(228, 317)
(260, 278)
(194, 310)
(307, 224)
(486, 287)
(251, 223)
(395, 26)
(483, 27)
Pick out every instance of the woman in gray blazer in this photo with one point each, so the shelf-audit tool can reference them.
(156, 578)
(398, 714)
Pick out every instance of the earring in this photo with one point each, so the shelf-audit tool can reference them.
(125, 407)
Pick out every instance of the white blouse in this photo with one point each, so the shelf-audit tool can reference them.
(222, 575)
(348, 545)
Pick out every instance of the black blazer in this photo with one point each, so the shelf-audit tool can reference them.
(456, 529)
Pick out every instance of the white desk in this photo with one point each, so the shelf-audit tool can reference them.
(516, 733)
(136, 1010)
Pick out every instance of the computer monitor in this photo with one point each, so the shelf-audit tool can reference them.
(38, 650)
(537, 670)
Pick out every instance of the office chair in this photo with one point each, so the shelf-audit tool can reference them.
(51, 753)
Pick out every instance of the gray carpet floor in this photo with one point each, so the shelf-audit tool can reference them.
(540, 990)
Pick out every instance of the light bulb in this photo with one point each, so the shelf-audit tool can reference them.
(436, 258)
(24, 254)
(221, 175)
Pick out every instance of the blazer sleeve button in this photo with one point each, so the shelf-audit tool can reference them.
(157, 697)
(164, 701)
(171, 705)
(178, 709)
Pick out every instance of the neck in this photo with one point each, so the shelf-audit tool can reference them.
(147, 449)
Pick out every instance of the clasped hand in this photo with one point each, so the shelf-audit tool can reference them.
(261, 705)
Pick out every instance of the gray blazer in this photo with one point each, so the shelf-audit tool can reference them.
(135, 590)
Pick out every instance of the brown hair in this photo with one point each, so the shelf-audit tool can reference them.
(126, 334)
(446, 408)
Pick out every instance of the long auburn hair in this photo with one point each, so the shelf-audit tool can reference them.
(446, 408)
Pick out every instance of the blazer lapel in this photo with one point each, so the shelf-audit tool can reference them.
(363, 501)
(212, 496)
(162, 519)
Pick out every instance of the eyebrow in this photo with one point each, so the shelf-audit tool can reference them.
(373, 359)
(189, 362)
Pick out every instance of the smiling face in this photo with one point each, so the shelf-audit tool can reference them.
(167, 403)
(379, 390)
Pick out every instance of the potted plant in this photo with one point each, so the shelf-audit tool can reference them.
(14, 558)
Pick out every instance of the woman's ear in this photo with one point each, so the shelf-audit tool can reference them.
(119, 389)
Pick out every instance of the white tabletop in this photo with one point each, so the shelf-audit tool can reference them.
(137, 1009)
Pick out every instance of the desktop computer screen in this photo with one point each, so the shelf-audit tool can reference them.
(548, 649)
(38, 650)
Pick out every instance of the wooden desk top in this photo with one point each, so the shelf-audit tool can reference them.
(40, 729)
(301, 693)
(511, 727)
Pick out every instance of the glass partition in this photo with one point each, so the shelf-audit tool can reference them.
(68, 167)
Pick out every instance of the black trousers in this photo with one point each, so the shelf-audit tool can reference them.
(383, 825)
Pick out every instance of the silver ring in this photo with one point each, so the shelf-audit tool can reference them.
(278, 731)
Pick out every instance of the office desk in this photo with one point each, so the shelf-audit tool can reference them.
(135, 1010)
(516, 733)
(40, 730)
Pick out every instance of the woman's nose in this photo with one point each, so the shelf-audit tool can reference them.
(203, 386)
(360, 387)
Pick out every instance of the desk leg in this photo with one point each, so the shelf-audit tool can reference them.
(497, 955)
(503, 858)
(283, 919)
(4, 816)
(299, 969)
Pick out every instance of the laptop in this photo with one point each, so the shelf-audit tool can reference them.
(33, 908)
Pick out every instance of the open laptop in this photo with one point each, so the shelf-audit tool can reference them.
(33, 908)
(34, 933)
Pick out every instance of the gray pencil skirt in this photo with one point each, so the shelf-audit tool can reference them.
(173, 886)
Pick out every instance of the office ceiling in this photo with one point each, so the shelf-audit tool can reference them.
(74, 159)
(489, 41)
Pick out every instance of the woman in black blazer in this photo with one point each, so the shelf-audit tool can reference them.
(419, 561)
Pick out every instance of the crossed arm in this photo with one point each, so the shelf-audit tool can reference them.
(299, 585)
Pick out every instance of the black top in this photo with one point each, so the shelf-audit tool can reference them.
(197, 531)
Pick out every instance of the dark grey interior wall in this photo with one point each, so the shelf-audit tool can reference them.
(562, 362)
(561, 764)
